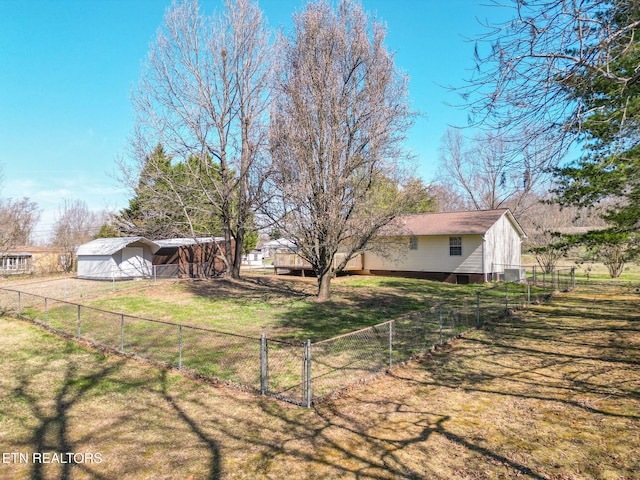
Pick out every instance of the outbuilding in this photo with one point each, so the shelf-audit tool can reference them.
(116, 258)
(190, 257)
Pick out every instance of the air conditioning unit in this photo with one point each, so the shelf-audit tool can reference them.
(515, 275)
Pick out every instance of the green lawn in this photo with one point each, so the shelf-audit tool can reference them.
(285, 308)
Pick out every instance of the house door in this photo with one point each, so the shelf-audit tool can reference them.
(133, 264)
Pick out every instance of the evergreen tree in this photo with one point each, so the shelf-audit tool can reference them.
(169, 201)
(610, 168)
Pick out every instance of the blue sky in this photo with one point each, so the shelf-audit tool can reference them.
(67, 68)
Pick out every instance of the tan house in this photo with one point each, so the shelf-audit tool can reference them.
(456, 247)
(30, 259)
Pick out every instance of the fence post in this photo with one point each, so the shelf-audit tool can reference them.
(390, 345)
(440, 316)
(180, 347)
(122, 333)
(78, 321)
(506, 298)
(19, 305)
(264, 368)
(573, 277)
(478, 309)
(307, 374)
(535, 275)
(45, 312)
(528, 294)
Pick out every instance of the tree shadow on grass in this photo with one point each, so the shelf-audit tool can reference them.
(377, 440)
(321, 321)
(524, 356)
(194, 425)
(248, 289)
(547, 361)
(50, 436)
(299, 317)
(56, 443)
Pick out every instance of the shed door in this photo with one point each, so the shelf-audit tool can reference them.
(133, 264)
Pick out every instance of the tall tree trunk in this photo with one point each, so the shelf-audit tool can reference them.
(324, 287)
(237, 255)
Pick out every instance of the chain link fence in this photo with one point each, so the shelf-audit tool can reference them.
(269, 366)
(76, 289)
(350, 358)
(300, 373)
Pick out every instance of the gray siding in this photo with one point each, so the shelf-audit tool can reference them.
(97, 266)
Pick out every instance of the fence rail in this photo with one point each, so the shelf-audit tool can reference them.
(300, 373)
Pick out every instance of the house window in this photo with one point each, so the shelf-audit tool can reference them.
(455, 246)
(413, 243)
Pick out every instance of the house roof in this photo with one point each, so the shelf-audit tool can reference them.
(183, 242)
(279, 243)
(33, 250)
(109, 246)
(476, 222)
(15, 254)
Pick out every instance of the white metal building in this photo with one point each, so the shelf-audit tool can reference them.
(116, 258)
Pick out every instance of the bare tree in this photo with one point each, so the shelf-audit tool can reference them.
(540, 76)
(203, 95)
(339, 117)
(447, 197)
(545, 223)
(75, 225)
(487, 175)
(18, 219)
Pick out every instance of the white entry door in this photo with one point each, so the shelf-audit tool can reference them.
(133, 264)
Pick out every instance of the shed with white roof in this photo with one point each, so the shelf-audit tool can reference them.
(116, 258)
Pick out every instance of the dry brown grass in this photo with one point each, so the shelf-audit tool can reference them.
(73, 289)
(553, 392)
